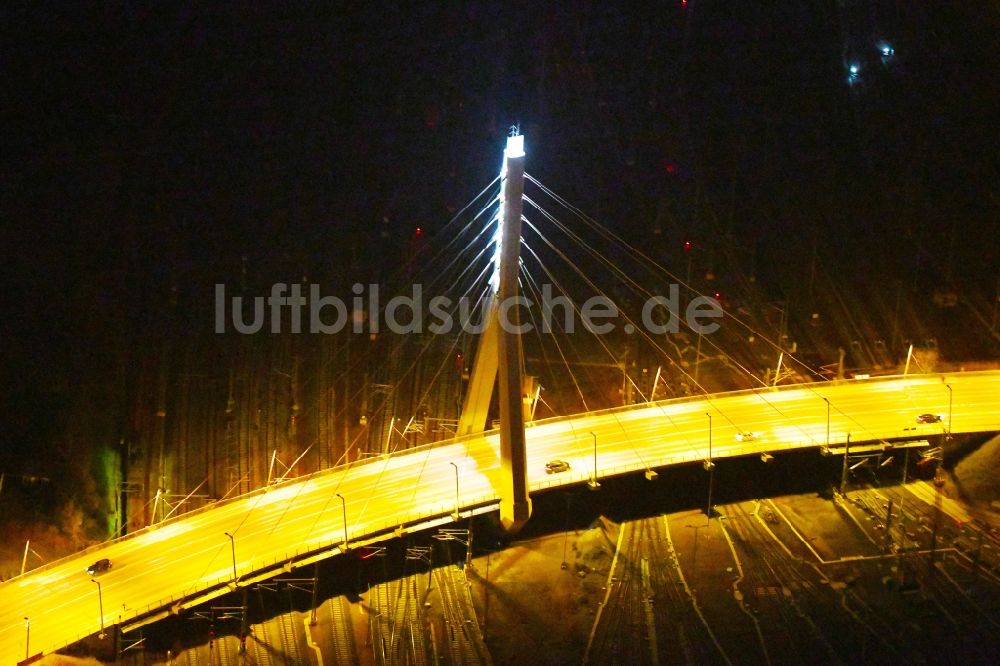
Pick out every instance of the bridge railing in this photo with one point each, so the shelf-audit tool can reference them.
(762, 391)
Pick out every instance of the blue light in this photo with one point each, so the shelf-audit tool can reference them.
(886, 50)
(853, 74)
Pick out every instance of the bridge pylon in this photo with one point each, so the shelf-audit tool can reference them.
(499, 356)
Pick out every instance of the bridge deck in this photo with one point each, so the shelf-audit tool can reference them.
(188, 560)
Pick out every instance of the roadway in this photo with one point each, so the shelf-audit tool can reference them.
(189, 560)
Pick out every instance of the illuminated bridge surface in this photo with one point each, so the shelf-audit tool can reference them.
(189, 560)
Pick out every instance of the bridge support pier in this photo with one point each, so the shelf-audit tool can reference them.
(499, 355)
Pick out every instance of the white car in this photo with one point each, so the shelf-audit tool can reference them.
(746, 437)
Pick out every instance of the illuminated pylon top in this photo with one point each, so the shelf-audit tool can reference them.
(514, 149)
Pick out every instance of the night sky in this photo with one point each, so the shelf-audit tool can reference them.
(150, 150)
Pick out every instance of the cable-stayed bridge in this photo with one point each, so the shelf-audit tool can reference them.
(190, 559)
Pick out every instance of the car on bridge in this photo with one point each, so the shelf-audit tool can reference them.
(556, 466)
(746, 437)
(99, 567)
(929, 418)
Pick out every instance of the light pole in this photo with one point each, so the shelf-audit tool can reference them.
(687, 248)
(827, 401)
(100, 606)
(709, 436)
(843, 471)
(27, 637)
(343, 509)
(457, 503)
(486, 590)
(950, 394)
(565, 564)
(593, 484)
(232, 544)
(710, 468)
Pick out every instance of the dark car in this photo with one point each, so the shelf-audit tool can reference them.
(98, 567)
(929, 418)
(556, 466)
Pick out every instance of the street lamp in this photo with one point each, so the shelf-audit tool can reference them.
(950, 394)
(457, 503)
(27, 637)
(565, 564)
(593, 484)
(343, 509)
(827, 401)
(710, 468)
(709, 436)
(843, 472)
(100, 605)
(688, 246)
(232, 543)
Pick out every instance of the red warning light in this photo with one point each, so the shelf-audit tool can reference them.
(688, 245)
(419, 232)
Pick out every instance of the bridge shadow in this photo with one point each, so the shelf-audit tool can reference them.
(632, 497)
(680, 488)
(685, 487)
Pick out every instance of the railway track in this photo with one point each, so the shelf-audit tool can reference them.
(464, 639)
(342, 631)
(290, 638)
(650, 615)
(780, 592)
(396, 624)
(261, 645)
(227, 649)
(910, 610)
(619, 629)
(961, 584)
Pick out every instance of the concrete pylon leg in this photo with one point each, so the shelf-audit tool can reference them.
(476, 406)
(499, 355)
(515, 505)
